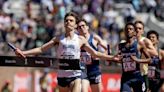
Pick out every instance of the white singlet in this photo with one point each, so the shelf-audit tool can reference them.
(68, 49)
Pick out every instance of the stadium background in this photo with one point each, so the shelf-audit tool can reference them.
(31, 23)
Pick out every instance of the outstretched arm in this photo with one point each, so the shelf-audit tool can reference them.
(94, 53)
(37, 50)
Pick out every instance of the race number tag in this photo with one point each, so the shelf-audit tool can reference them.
(68, 56)
(129, 66)
(151, 72)
(86, 58)
(162, 74)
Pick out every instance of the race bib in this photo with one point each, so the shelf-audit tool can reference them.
(162, 74)
(151, 72)
(129, 66)
(86, 58)
(67, 56)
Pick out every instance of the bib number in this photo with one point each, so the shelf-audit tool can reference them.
(129, 66)
(68, 56)
(86, 58)
(151, 72)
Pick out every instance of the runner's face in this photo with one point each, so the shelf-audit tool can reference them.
(82, 27)
(153, 38)
(70, 23)
(130, 31)
(139, 29)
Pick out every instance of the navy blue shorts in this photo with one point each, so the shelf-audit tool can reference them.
(93, 78)
(134, 81)
(92, 72)
(65, 82)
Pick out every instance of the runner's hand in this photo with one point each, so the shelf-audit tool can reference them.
(18, 52)
(117, 58)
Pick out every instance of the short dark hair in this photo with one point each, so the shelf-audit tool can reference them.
(82, 19)
(129, 23)
(140, 22)
(153, 32)
(72, 14)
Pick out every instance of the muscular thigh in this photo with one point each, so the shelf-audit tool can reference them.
(85, 85)
(75, 85)
(96, 84)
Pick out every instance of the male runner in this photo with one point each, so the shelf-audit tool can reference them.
(139, 25)
(92, 74)
(155, 67)
(130, 50)
(68, 55)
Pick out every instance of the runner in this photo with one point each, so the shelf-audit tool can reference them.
(130, 50)
(155, 81)
(92, 74)
(68, 55)
(152, 51)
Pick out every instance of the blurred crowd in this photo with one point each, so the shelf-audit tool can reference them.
(31, 23)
